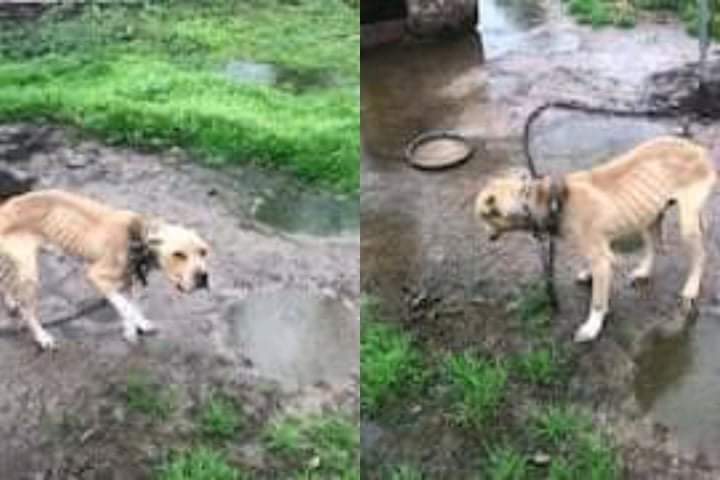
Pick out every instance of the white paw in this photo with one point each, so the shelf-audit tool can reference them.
(584, 276)
(45, 340)
(586, 333)
(144, 325)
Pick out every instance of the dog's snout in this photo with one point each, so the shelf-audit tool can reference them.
(202, 280)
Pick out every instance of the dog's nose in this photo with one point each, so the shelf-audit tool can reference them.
(201, 280)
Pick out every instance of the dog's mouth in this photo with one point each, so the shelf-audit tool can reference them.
(494, 236)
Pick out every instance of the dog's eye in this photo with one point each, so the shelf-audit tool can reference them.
(179, 256)
(203, 252)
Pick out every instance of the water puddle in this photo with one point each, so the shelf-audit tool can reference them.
(678, 383)
(300, 211)
(281, 202)
(294, 337)
(504, 24)
(297, 81)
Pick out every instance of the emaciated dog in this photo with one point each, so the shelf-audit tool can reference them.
(120, 247)
(591, 208)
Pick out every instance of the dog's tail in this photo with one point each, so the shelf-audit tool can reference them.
(13, 184)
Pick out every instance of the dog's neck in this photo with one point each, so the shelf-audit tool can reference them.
(546, 202)
(141, 257)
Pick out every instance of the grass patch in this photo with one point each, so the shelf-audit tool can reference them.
(578, 451)
(478, 387)
(147, 397)
(391, 365)
(220, 418)
(405, 472)
(542, 366)
(532, 307)
(199, 464)
(318, 447)
(624, 14)
(502, 408)
(152, 75)
(505, 463)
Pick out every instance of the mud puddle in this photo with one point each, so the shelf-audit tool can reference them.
(256, 73)
(284, 293)
(417, 237)
(300, 211)
(677, 383)
(280, 203)
(294, 337)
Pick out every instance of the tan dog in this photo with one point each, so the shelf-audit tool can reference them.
(120, 246)
(593, 207)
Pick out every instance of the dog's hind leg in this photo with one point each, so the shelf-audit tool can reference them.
(690, 206)
(19, 277)
(601, 258)
(640, 275)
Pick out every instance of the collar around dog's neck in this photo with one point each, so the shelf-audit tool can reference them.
(554, 199)
(141, 258)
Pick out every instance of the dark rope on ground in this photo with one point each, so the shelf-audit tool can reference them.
(84, 310)
(546, 241)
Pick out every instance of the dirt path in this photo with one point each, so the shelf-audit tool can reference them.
(278, 328)
(423, 254)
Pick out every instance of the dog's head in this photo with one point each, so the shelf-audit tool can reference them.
(504, 203)
(181, 254)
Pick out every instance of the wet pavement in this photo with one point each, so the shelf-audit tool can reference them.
(418, 240)
(278, 328)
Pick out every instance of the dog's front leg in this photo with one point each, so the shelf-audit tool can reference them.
(601, 267)
(108, 279)
(133, 319)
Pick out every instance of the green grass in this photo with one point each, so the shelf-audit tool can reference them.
(220, 418)
(577, 449)
(405, 472)
(316, 447)
(478, 387)
(542, 366)
(199, 464)
(147, 397)
(624, 14)
(533, 308)
(391, 365)
(505, 463)
(505, 408)
(152, 76)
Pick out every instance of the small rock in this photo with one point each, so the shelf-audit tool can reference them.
(75, 159)
(541, 459)
(416, 409)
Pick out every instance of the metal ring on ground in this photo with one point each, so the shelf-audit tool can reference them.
(438, 150)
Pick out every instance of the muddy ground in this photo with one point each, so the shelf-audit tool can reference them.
(278, 330)
(423, 255)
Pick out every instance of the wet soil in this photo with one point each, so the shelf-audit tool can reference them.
(426, 258)
(278, 330)
(245, 71)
